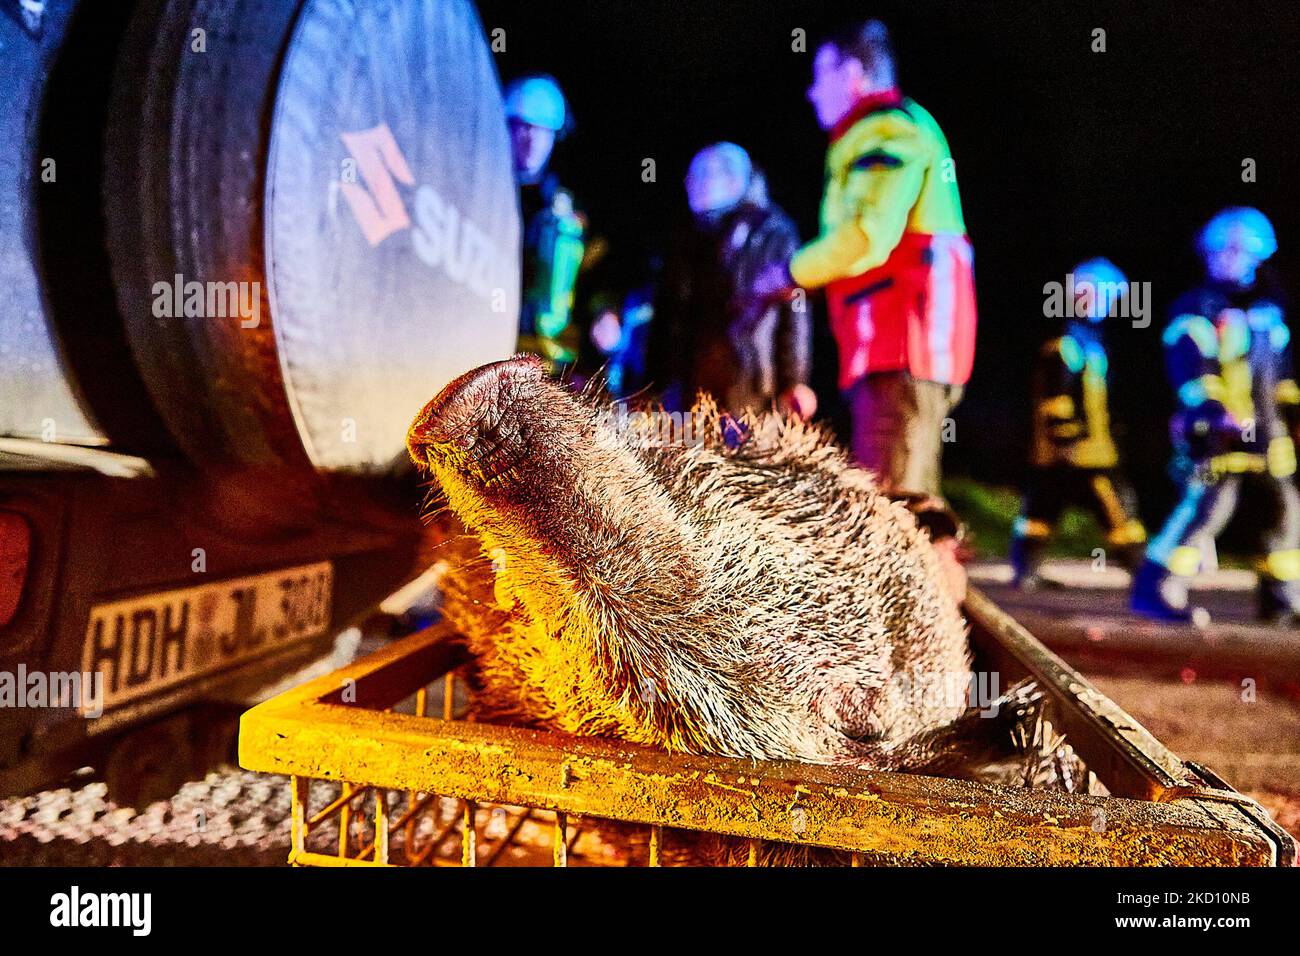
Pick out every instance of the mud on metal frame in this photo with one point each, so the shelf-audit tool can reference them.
(346, 729)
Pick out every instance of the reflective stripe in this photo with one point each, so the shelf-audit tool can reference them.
(1166, 542)
(940, 308)
(1197, 327)
(1071, 354)
(1031, 528)
(1279, 337)
(1238, 463)
(1058, 406)
(1131, 532)
(1184, 561)
(1097, 360)
(1283, 565)
(1281, 457)
(1198, 390)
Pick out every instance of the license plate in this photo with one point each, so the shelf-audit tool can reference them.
(146, 644)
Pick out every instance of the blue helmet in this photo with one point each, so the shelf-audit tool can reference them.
(1262, 239)
(538, 101)
(1108, 284)
(1099, 270)
(718, 177)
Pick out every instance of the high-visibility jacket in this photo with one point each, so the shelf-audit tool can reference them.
(893, 252)
(554, 244)
(1231, 349)
(1071, 407)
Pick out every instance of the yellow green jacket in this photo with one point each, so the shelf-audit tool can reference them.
(892, 251)
(1071, 408)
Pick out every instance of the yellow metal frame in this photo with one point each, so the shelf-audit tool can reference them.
(342, 727)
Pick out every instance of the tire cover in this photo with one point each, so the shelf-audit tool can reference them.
(392, 226)
(37, 397)
(236, 164)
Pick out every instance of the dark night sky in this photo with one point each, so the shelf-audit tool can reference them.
(1062, 153)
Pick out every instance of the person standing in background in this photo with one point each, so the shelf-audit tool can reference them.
(712, 332)
(1073, 457)
(617, 340)
(554, 231)
(894, 259)
(1228, 353)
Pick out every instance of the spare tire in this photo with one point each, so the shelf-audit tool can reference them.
(312, 221)
(38, 397)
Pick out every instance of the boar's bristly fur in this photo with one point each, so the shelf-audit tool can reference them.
(751, 597)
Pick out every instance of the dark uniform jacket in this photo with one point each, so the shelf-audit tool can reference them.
(711, 333)
(1071, 404)
(1228, 354)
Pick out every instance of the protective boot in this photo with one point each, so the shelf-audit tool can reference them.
(1162, 596)
(1131, 556)
(1026, 562)
(1279, 601)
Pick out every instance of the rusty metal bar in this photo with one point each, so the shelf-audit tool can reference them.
(306, 732)
(329, 860)
(469, 835)
(299, 792)
(348, 796)
(421, 710)
(413, 808)
(381, 826)
(1265, 654)
(559, 840)
(389, 671)
(908, 815)
(1122, 752)
(345, 817)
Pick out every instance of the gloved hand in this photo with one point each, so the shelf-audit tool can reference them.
(773, 282)
(1206, 431)
(798, 400)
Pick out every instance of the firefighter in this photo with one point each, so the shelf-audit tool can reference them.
(1073, 458)
(1227, 348)
(712, 333)
(554, 230)
(894, 259)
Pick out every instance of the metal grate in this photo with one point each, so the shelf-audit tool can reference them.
(395, 786)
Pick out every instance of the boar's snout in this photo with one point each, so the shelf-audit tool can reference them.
(475, 419)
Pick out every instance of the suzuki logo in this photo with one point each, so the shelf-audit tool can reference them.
(443, 237)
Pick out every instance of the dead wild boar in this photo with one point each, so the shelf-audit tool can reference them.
(753, 597)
